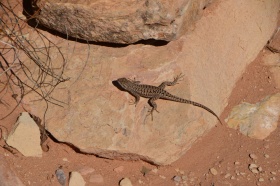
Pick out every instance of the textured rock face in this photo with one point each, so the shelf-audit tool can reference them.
(256, 120)
(97, 117)
(120, 21)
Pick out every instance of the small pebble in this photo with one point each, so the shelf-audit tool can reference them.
(261, 179)
(213, 171)
(266, 156)
(155, 170)
(125, 182)
(253, 156)
(255, 171)
(242, 173)
(232, 177)
(227, 175)
(252, 166)
(161, 176)
(236, 163)
(274, 173)
(60, 176)
(177, 178)
(260, 169)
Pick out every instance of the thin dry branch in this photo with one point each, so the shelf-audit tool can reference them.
(26, 65)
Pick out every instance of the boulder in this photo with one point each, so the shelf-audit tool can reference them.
(120, 21)
(97, 117)
(256, 120)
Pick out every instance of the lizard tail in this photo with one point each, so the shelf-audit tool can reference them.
(204, 107)
(181, 100)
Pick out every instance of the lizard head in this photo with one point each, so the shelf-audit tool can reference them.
(123, 82)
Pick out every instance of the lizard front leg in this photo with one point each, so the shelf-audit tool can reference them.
(137, 98)
(169, 83)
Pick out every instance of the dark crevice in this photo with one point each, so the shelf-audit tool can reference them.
(77, 150)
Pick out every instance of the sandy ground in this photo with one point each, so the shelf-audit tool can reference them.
(224, 149)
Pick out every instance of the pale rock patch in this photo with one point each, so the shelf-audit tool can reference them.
(25, 136)
(256, 120)
(76, 179)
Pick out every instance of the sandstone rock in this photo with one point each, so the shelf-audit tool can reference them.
(256, 120)
(97, 118)
(25, 136)
(125, 182)
(76, 179)
(120, 21)
(7, 175)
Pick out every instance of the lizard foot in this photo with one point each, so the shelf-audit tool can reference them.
(178, 78)
(150, 112)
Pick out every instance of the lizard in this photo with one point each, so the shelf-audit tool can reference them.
(153, 93)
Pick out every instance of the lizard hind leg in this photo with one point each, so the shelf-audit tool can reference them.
(153, 105)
